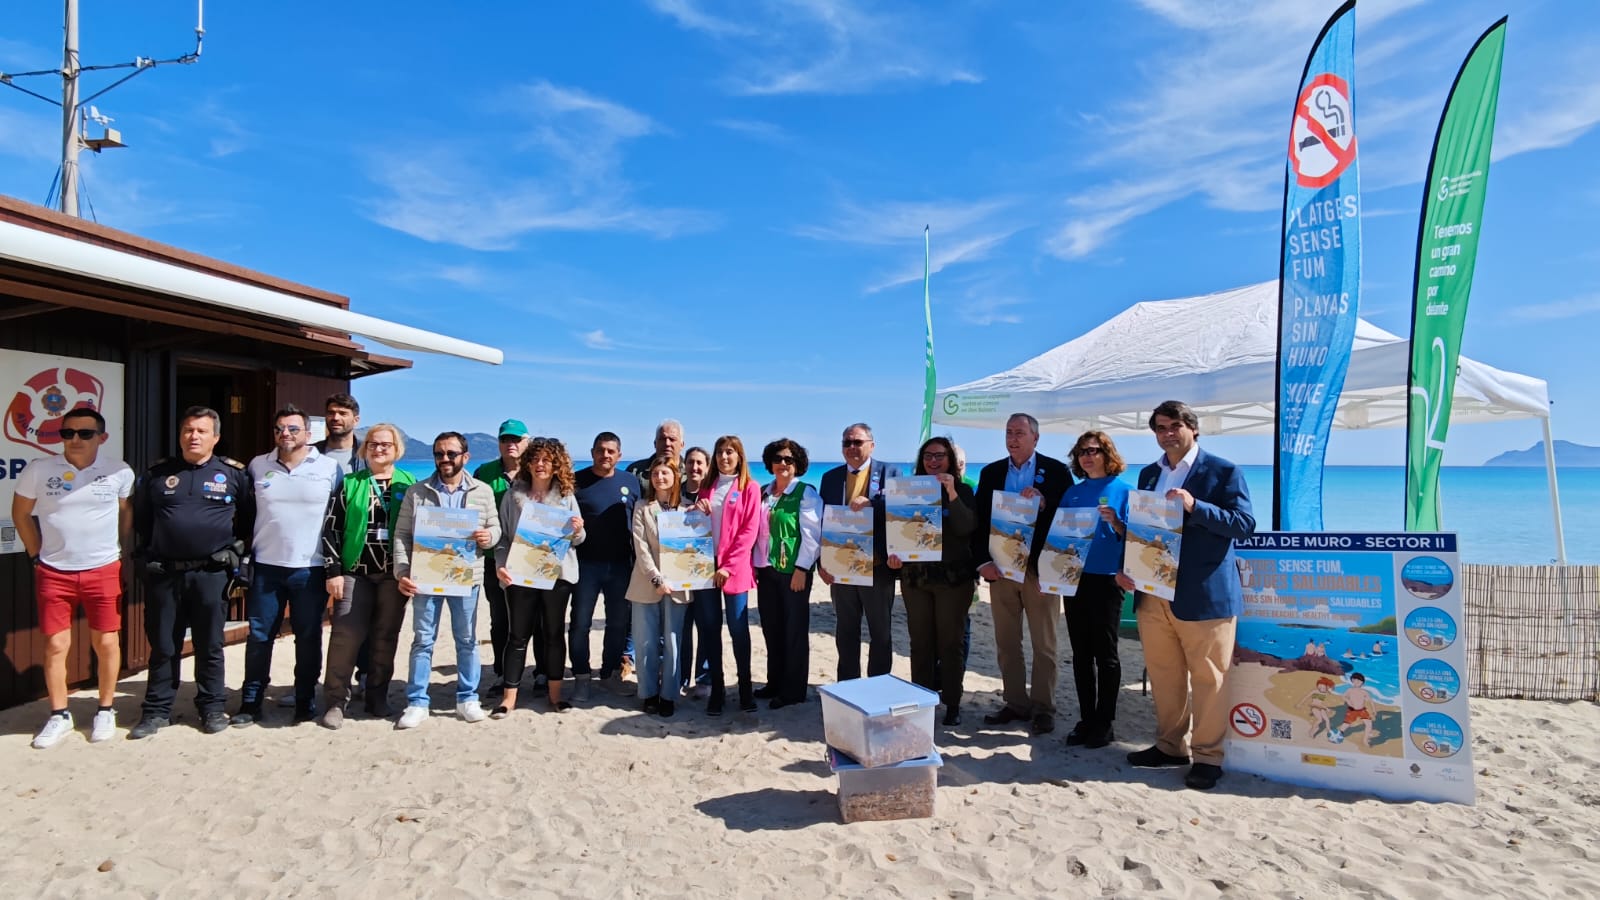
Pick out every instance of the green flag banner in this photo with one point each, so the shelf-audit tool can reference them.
(1447, 252)
(931, 378)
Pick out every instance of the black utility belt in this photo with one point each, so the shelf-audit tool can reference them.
(191, 565)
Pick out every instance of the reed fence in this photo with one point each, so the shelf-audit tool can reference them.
(1533, 632)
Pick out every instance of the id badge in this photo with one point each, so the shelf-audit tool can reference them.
(383, 534)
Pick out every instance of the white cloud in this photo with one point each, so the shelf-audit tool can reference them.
(565, 173)
(959, 232)
(827, 46)
(1568, 109)
(982, 309)
(597, 340)
(770, 132)
(1556, 309)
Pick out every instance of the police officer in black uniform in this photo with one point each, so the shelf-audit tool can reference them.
(192, 515)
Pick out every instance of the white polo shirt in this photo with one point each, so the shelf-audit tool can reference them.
(77, 510)
(290, 505)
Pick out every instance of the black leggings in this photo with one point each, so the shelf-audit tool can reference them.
(526, 607)
(1093, 617)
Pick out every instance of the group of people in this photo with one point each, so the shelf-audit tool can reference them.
(304, 526)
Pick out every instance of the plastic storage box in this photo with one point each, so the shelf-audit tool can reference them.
(901, 791)
(879, 721)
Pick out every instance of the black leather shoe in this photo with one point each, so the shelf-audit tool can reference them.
(766, 692)
(304, 712)
(717, 700)
(1100, 737)
(778, 703)
(1005, 716)
(952, 717)
(1043, 723)
(1203, 776)
(147, 726)
(1079, 735)
(652, 705)
(668, 707)
(1155, 758)
(214, 722)
(246, 716)
(747, 697)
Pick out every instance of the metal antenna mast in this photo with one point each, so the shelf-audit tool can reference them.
(75, 112)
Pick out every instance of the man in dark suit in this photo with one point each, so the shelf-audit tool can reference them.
(856, 484)
(1188, 643)
(1028, 473)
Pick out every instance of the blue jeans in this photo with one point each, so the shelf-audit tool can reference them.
(303, 593)
(736, 609)
(658, 626)
(425, 627)
(705, 614)
(594, 580)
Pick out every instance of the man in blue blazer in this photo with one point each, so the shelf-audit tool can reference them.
(857, 484)
(1188, 643)
(1027, 472)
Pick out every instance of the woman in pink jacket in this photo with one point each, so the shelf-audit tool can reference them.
(738, 520)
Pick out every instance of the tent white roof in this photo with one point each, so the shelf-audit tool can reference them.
(1216, 352)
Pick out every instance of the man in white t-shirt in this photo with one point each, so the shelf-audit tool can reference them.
(84, 522)
(292, 485)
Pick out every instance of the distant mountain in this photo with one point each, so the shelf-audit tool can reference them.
(483, 447)
(1568, 455)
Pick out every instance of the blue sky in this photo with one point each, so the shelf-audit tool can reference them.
(713, 210)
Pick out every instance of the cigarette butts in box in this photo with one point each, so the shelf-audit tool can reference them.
(879, 721)
(904, 790)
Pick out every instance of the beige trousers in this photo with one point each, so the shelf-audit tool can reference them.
(1188, 663)
(1012, 604)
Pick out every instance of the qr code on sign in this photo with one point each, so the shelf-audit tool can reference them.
(1282, 730)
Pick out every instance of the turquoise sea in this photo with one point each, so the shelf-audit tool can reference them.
(1502, 514)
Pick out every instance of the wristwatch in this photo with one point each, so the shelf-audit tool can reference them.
(657, 581)
(33, 559)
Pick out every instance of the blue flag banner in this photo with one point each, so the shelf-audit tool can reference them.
(1320, 271)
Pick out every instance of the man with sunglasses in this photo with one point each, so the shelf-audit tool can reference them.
(85, 523)
(450, 487)
(858, 484)
(498, 473)
(293, 486)
(192, 514)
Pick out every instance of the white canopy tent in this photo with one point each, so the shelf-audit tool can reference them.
(1218, 353)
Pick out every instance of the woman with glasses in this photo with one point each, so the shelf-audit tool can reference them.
(357, 549)
(938, 594)
(784, 565)
(1095, 612)
(544, 476)
(658, 610)
(739, 523)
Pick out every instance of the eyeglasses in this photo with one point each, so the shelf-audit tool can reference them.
(287, 429)
(853, 442)
(449, 454)
(1088, 451)
(510, 438)
(82, 434)
(932, 456)
(783, 460)
(380, 445)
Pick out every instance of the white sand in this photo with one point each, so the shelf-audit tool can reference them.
(605, 802)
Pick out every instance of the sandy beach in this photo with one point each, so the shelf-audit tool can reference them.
(603, 801)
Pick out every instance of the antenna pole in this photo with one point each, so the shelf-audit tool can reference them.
(70, 144)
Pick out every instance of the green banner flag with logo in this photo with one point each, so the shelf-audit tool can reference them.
(931, 378)
(1447, 252)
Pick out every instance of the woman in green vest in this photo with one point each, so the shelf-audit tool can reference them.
(357, 546)
(783, 583)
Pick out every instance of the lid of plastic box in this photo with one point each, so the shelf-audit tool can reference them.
(838, 761)
(882, 695)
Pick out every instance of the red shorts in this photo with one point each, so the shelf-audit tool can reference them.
(98, 590)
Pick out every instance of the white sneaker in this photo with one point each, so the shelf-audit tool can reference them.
(105, 726)
(412, 717)
(471, 711)
(55, 728)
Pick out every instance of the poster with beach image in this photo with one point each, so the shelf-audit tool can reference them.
(1066, 548)
(688, 557)
(1326, 687)
(914, 518)
(1011, 524)
(539, 545)
(444, 557)
(847, 544)
(1150, 553)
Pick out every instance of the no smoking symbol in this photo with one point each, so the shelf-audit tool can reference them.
(1322, 143)
(1248, 720)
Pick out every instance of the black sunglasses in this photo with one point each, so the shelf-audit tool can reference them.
(852, 442)
(1088, 451)
(82, 434)
(449, 454)
(783, 460)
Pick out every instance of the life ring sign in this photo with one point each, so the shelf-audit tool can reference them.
(35, 412)
(1322, 143)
